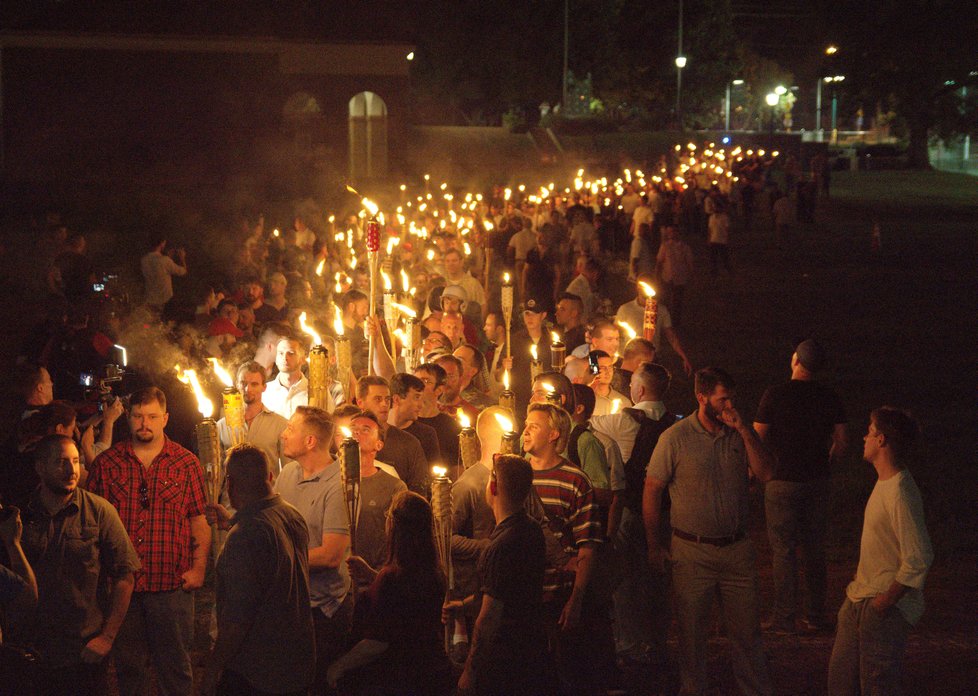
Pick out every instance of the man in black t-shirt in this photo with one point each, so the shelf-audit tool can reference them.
(804, 423)
(446, 428)
(508, 643)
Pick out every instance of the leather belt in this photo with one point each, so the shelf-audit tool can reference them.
(713, 541)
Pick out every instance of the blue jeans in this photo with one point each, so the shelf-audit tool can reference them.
(867, 655)
(641, 598)
(159, 627)
(797, 516)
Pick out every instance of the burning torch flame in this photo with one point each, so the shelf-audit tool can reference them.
(371, 207)
(506, 278)
(338, 321)
(404, 309)
(628, 329)
(439, 471)
(506, 380)
(533, 352)
(347, 433)
(548, 387)
(463, 419)
(554, 337)
(204, 405)
(320, 266)
(388, 286)
(505, 423)
(316, 339)
(615, 405)
(221, 373)
(647, 289)
(405, 281)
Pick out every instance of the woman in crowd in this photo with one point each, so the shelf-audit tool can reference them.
(399, 621)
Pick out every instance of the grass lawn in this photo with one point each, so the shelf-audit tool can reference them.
(900, 329)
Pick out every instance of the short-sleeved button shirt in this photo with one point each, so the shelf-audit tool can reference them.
(320, 501)
(707, 477)
(160, 528)
(73, 552)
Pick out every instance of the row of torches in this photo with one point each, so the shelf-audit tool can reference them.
(208, 440)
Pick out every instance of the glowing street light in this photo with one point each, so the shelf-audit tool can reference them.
(772, 99)
(831, 50)
(680, 62)
(780, 90)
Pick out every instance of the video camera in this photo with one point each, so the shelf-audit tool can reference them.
(100, 385)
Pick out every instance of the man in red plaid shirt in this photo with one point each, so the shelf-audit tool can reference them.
(158, 488)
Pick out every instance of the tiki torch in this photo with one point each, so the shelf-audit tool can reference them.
(536, 367)
(557, 352)
(232, 402)
(511, 439)
(551, 396)
(507, 399)
(344, 353)
(208, 440)
(391, 308)
(507, 304)
(349, 456)
(468, 443)
(318, 369)
(651, 311)
(441, 508)
(373, 256)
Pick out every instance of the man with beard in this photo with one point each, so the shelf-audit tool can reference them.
(158, 488)
(451, 399)
(290, 389)
(704, 460)
(263, 429)
(73, 539)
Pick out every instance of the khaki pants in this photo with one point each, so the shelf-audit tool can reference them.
(700, 572)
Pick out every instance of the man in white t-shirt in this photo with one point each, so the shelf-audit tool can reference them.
(885, 598)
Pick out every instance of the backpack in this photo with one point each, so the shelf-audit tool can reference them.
(646, 439)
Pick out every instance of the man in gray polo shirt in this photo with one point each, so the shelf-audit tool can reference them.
(313, 484)
(704, 460)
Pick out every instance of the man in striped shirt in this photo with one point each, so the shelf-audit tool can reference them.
(575, 613)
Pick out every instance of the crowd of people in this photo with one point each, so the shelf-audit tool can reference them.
(588, 519)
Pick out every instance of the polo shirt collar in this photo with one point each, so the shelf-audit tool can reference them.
(698, 426)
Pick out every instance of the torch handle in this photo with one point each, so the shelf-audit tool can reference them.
(371, 339)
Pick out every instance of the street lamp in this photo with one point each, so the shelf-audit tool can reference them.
(726, 104)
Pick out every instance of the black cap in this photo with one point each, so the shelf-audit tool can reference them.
(533, 305)
(810, 355)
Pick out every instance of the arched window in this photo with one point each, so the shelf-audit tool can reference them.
(368, 136)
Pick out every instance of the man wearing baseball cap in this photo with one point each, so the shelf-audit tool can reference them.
(804, 423)
(533, 332)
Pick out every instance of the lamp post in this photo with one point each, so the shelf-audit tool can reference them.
(772, 100)
(829, 51)
(563, 92)
(835, 103)
(726, 107)
(680, 64)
